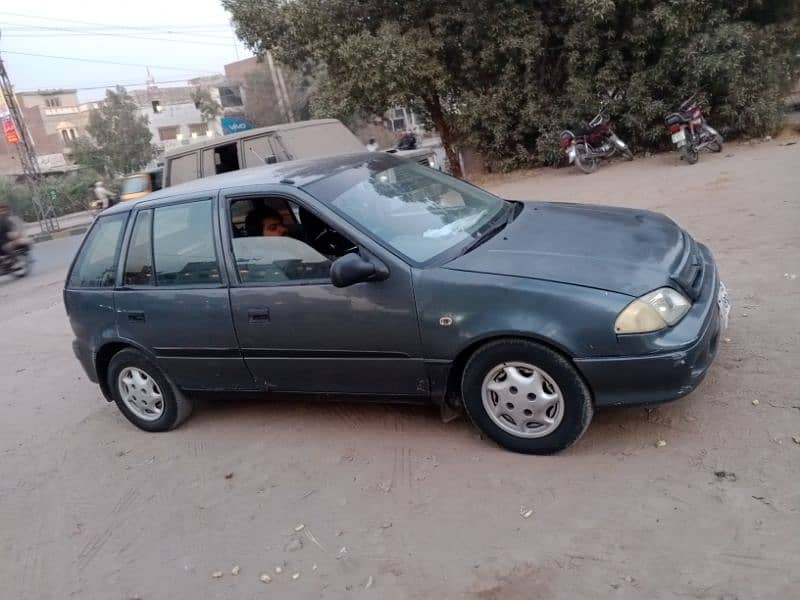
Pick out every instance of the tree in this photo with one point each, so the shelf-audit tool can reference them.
(119, 140)
(507, 76)
(205, 103)
(370, 54)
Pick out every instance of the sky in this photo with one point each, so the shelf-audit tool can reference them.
(176, 39)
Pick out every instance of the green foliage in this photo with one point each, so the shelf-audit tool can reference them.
(69, 193)
(507, 76)
(119, 141)
(208, 107)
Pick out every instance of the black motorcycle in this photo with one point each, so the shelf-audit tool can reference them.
(690, 132)
(18, 263)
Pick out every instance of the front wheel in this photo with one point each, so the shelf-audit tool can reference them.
(689, 154)
(627, 154)
(526, 397)
(715, 145)
(143, 394)
(586, 164)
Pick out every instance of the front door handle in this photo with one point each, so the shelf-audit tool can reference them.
(258, 316)
(136, 315)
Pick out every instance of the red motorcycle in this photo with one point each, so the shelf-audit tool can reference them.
(587, 148)
(690, 132)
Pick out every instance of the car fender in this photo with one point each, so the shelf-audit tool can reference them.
(457, 309)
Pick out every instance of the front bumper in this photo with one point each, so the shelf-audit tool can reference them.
(664, 366)
(630, 381)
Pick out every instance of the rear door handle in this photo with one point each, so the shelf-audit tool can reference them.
(258, 316)
(136, 315)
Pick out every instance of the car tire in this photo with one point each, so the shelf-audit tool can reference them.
(550, 392)
(143, 394)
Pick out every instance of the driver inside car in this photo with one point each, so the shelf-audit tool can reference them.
(265, 222)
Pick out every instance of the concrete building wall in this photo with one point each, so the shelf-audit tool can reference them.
(48, 98)
(174, 120)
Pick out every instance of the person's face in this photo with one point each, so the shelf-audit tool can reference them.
(273, 227)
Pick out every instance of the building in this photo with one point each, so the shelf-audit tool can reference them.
(54, 118)
(401, 119)
(173, 117)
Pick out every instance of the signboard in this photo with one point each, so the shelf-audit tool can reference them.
(12, 137)
(234, 124)
(51, 162)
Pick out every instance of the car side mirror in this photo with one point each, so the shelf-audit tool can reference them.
(351, 268)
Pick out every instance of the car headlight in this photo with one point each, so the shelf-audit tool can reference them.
(659, 309)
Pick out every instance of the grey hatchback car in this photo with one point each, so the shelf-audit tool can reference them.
(371, 276)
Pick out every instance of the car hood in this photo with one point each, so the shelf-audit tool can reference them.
(616, 249)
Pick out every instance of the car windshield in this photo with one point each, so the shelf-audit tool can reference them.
(133, 185)
(417, 211)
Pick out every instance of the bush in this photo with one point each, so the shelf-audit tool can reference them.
(69, 193)
(641, 58)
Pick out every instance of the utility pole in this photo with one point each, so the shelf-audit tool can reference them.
(45, 211)
(285, 94)
(284, 108)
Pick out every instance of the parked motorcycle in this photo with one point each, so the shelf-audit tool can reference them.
(587, 148)
(18, 263)
(690, 132)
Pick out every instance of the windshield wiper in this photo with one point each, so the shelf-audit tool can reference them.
(494, 227)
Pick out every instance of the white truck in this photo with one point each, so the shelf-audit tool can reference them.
(268, 145)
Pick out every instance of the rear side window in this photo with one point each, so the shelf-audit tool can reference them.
(139, 264)
(183, 245)
(96, 265)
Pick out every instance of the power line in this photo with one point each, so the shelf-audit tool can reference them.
(106, 62)
(136, 37)
(96, 24)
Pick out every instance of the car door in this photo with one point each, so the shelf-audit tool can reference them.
(299, 333)
(173, 296)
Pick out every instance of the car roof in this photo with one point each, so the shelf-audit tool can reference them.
(232, 137)
(297, 173)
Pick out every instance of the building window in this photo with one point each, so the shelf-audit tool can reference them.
(230, 96)
(73, 134)
(398, 124)
(399, 113)
(197, 129)
(157, 108)
(52, 102)
(167, 133)
(65, 135)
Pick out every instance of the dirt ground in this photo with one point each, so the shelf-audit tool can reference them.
(393, 503)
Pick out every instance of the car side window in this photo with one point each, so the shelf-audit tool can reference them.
(278, 242)
(96, 265)
(183, 245)
(139, 263)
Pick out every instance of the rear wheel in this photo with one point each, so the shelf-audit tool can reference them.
(585, 163)
(526, 397)
(22, 266)
(143, 394)
(689, 154)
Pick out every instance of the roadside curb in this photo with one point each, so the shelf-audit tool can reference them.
(70, 231)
